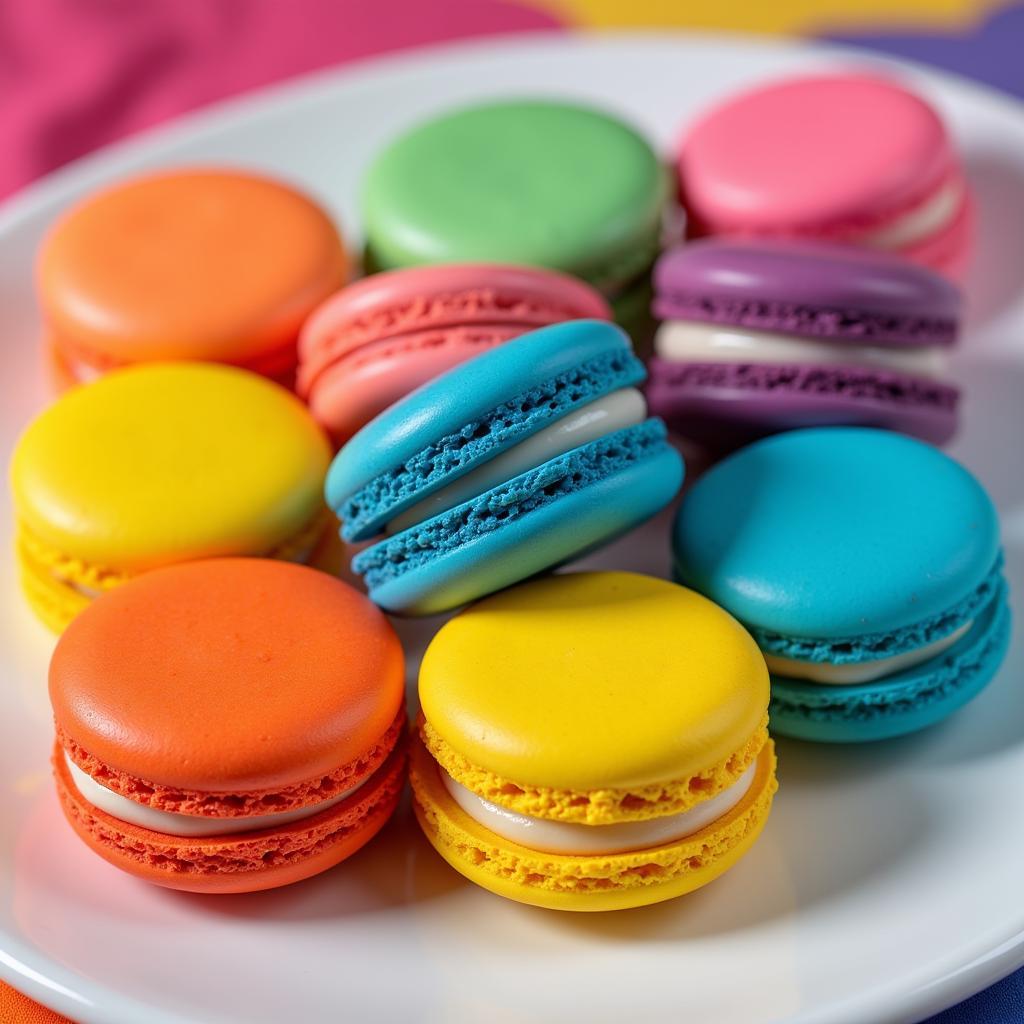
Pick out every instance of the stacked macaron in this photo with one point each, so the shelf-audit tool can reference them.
(851, 157)
(868, 568)
(517, 461)
(194, 264)
(762, 336)
(531, 182)
(159, 464)
(616, 753)
(229, 725)
(380, 338)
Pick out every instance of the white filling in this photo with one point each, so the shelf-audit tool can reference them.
(567, 837)
(921, 222)
(690, 341)
(860, 671)
(623, 408)
(189, 825)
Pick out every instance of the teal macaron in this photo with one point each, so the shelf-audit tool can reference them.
(521, 459)
(532, 182)
(867, 566)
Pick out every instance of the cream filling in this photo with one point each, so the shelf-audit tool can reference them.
(924, 220)
(860, 671)
(567, 837)
(623, 408)
(187, 825)
(693, 342)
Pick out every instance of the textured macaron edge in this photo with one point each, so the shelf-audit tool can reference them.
(364, 512)
(501, 505)
(249, 803)
(466, 843)
(245, 861)
(489, 308)
(867, 384)
(599, 806)
(50, 577)
(902, 702)
(872, 646)
(856, 326)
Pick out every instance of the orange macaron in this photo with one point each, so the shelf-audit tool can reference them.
(194, 264)
(229, 725)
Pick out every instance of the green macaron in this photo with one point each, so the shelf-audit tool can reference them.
(532, 182)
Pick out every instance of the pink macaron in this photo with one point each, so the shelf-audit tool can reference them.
(852, 158)
(373, 342)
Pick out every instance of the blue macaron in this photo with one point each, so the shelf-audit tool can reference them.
(867, 566)
(521, 459)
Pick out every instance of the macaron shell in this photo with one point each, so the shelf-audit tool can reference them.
(724, 405)
(438, 298)
(54, 602)
(470, 414)
(281, 676)
(815, 289)
(503, 547)
(823, 155)
(906, 702)
(591, 691)
(836, 532)
(196, 264)
(515, 182)
(244, 862)
(352, 392)
(163, 463)
(587, 883)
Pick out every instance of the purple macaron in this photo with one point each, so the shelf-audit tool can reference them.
(759, 337)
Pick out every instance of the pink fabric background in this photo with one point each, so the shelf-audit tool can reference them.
(75, 74)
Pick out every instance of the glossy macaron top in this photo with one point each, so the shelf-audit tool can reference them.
(604, 681)
(807, 288)
(193, 264)
(166, 462)
(503, 298)
(818, 153)
(836, 532)
(525, 181)
(475, 411)
(228, 674)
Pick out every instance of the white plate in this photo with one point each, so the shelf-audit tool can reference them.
(887, 884)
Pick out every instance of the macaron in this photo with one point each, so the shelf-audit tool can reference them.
(195, 264)
(866, 565)
(159, 464)
(228, 725)
(759, 336)
(528, 181)
(516, 461)
(380, 338)
(616, 754)
(846, 157)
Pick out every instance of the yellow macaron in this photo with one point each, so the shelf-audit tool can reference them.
(593, 741)
(161, 464)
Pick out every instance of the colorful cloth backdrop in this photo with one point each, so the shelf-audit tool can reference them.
(76, 74)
